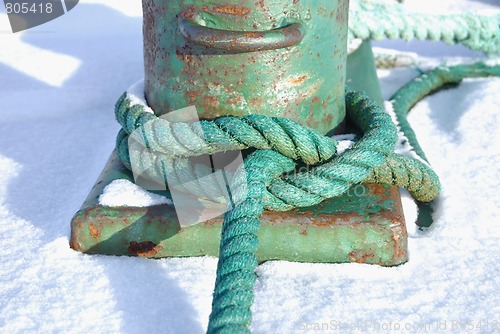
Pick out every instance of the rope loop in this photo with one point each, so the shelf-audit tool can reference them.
(265, 181)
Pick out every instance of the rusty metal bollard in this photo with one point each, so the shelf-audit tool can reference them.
(284, 58)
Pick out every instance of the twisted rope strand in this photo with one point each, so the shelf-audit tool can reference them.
(224, 134)
(408, 95)
(231, 314)
(377, 20)
(304, 189)
(260, 183)
(233, 293)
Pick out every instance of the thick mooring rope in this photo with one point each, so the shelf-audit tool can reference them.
(383, 19)
(407, 96)
(333, 177)
(280, 144)
(259, 184)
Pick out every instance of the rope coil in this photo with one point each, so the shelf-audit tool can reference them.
(334, 176)
(261, 183)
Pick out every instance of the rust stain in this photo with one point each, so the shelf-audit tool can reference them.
(188, 12)
(379, 190)
(94, 232)
(322, 11)
(314, 219)
(290, 32)
(144, 248)
(191, 95)
(261, 4)
(212, 222)
(211, 101)
(74, 244)
(182, 56)
(234, 100)
(256, 102)
(360, 257)
(397, 238)
(298, 80)
(253, 34)
(228, 9)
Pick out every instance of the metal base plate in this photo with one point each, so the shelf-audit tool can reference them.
(365, 226)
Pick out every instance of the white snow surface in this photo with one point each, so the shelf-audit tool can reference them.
(56, 134)
(122, 192)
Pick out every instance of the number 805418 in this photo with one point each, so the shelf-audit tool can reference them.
(25, 8)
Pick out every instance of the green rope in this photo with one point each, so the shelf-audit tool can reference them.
(333, 177)
(407, 96)
(233, 293)
(266, 188)
(378, 19)
(261, 183)
(223, 134)
(404, 100)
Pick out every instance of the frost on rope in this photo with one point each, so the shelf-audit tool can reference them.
(344, 142)
(122, 192)
(136, 96)
(389, 58)
(403, 146)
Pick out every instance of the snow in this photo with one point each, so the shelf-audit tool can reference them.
(122, 192)
(57, 131)
(403, 145)
(344, 142)
(135, 94)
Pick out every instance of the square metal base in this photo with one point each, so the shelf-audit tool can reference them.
(365, 226)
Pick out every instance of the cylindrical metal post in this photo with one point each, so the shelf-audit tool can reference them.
(239, 57)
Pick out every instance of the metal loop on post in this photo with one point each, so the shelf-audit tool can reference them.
(239, 41)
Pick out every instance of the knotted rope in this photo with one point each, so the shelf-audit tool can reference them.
(382, 19)
(262, 181)
(332, 178)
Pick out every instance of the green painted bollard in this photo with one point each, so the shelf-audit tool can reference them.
(277, 58)
(362, 73)
(286, 59)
